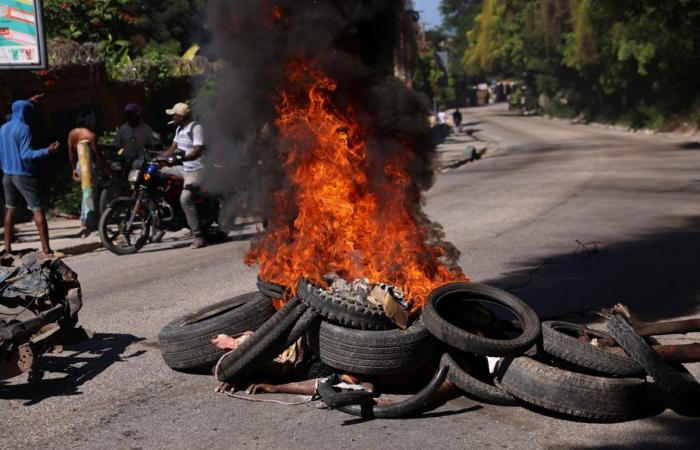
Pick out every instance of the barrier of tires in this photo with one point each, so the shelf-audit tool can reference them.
(351, 348)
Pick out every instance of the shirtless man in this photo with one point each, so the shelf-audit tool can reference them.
(74, 137)
(81, 134)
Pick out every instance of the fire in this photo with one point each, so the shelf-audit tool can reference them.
(342, 222)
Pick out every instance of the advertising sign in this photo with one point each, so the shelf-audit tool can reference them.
(22, 39)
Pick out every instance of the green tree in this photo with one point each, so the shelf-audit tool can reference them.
(630, 60)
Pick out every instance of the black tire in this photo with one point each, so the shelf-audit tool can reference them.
(571, 393)
(343, 311)
(558, 340)
(186, 341)
(677, 385)
(475, 388)
(272, 290)
(307, 321)
(413, 406)
(105, 199)
(266, 343)
(372, 352)
(112, 228)
(472, 343)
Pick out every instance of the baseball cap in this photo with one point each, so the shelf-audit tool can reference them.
(132, 108)
(181, 109)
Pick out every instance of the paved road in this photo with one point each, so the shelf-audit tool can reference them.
(567, 216)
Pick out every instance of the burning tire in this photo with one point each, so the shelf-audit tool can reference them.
(562, 340)
(342, 310)
(186, 341)
(677, 385)
(372, 352)
(447, 301)
(272, 290)
(571, 393)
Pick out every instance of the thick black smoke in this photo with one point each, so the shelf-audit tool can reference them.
(353, 43)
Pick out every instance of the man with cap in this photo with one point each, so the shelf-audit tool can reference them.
(189, 138)
(134, 135)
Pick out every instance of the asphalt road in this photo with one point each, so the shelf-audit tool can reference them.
(567, 216)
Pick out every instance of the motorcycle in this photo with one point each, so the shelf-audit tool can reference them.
(129, 223)
(117, 185)
(39, 305)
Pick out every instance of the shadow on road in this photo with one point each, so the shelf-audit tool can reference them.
(179, 244)
(690, 146)
(655, 275)
(80, 363)
(663, 432)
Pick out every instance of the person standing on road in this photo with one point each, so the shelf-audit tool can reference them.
(189, 138)
(457, 119)
(134, 135)
(18, 160)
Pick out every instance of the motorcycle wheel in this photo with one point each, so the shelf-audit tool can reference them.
(157, 236)
(113, 233)
(157, 232)
(105, 198)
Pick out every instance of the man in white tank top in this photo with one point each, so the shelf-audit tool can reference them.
(189, 138)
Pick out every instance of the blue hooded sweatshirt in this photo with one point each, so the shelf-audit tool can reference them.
(16, 154)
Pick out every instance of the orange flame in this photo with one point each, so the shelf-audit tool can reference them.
(342, 222)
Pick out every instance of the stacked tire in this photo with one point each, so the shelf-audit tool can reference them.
(186, 341)
(547, 366)
(553, 366)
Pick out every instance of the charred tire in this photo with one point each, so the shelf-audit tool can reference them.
(475, 388)
(413, 406)
(263, 346)
(342, 310)
(186, 341)
(272, 290)
(679, 386)
(469, 342)
(372, 352)
(583, 355)
(571, 393)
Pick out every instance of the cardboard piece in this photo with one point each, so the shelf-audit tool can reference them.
(395, 310)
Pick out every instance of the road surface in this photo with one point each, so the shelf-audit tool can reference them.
(568, 217)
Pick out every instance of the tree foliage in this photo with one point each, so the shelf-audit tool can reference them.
(634, 60)
(139, 40)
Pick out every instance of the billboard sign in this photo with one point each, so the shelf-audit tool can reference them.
(22, 39)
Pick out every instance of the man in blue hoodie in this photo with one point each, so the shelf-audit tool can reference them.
(18, 160)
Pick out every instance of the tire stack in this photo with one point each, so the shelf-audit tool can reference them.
(553, 367)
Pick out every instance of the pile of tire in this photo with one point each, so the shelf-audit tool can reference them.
(551, 366)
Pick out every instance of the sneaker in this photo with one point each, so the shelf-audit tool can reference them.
(198, 242)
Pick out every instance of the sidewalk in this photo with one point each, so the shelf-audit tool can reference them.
(64, 235)
(463, 147)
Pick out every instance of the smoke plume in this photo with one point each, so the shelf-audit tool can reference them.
(350, 41)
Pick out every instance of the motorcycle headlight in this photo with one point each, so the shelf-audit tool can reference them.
(134, 176)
